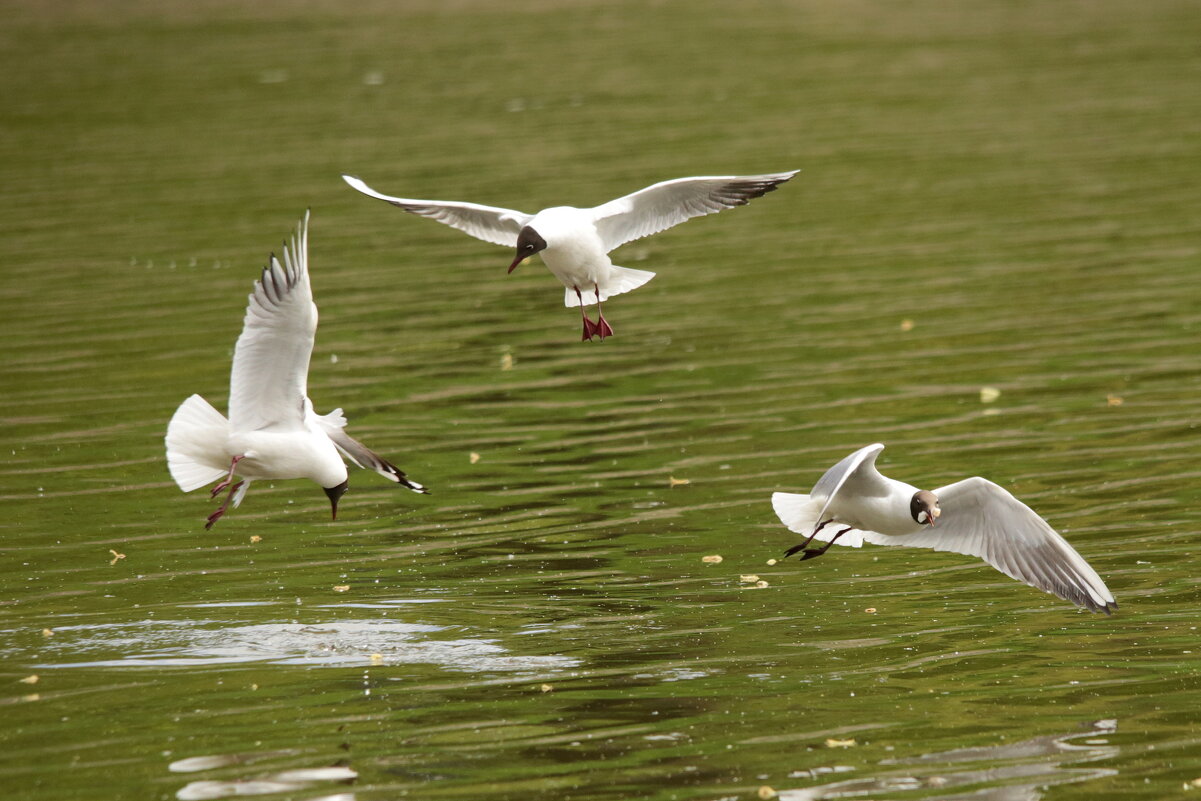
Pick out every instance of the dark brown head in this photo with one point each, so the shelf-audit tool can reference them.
(528, 243)
(334, 493)
(924, 507)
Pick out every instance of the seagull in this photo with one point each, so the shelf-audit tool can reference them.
(272, 431)
(973, 517)
(575, 243)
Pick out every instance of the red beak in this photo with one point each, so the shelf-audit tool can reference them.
(516, 261)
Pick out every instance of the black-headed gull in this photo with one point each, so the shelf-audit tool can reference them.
(974, 517)
(575, 243)
(272, 431)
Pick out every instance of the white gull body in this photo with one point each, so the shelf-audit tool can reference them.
(575, 242)
(272, 431)
(853, 503)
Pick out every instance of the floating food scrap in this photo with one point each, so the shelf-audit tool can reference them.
(834, 743)
(377, 659)
(677, 482)
(711, 560)
(771, 562)
(748, 578)
(506, 361)
(116, 556)
(341, 587)
(1113, 400)
(474, 457)
(760, 584)
(546, 688)
(871, 610)
(30, 679)
(255, 538)
(989, 394)
(766, 792)
(47, 632)
(906, 325)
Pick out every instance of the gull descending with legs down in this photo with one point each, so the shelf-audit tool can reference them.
(575, 243)
(272, 431)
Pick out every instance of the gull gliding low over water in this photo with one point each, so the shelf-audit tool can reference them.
(272, 431)
(974, 517)
(575, 243)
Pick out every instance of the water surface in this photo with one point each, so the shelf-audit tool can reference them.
(993, 195)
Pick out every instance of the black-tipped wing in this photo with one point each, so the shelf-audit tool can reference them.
(666, 204)
(982, 519)
(333, 424)
(269, 379)
(489, 223)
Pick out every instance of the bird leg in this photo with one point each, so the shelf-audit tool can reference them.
(215, 516)
(805, 544)
(812, 553)
(590, 329)
(602, 325)
(229, 479)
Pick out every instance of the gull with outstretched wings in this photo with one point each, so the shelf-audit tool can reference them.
(575, 243)
(853, 503)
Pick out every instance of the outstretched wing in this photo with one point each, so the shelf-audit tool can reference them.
(489, 223)
(269, 379)
(982, 519)
(670, 203)
(333, 424)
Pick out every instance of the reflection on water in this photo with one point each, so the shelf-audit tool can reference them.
(180, 643)
(1009, 772)
(284, 781)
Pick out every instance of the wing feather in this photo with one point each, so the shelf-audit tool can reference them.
(982, 519)
(846, 473)
(269, 378)
(669, 203)
(489, 223)
(333, 424)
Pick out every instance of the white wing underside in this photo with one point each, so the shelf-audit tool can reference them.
(489, 223)
(269, 379)
(669, 203)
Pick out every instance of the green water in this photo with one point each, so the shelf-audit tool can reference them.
(1017, 180)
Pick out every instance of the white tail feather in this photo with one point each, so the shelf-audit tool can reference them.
(621, 280)
(196, 437)
(797, 512)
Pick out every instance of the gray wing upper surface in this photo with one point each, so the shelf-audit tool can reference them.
(669, 203)
(489, 223)
(982, 519)
(269, 378)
